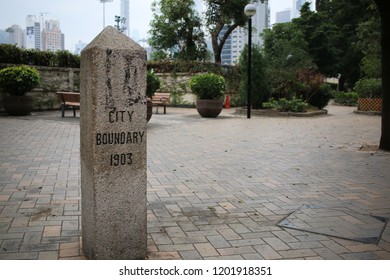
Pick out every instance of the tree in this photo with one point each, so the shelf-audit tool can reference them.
(368, 33)
(176, 29)
(323, 39)
(227, 15)
(385, 51)
(345, 16)
(286, 52)
(259, 82)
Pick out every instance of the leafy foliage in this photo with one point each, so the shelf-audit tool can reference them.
(221, 14)
(18, 80)
(368, 33)
(346, 98)
(285, 52)
(176, 30)
(342, 18)
(14, 55)
(208, 86)
(153, 83)
(369, 88)
(314, 89)
(259, 82)
(284, 105)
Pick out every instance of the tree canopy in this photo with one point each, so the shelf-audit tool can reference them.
(176, 30)
(227, 15)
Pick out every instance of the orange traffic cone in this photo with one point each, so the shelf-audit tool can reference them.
(227, 101)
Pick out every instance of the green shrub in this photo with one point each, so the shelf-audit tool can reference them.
(208, 86)
(67, 59)
(346, 98)
(284, 105)
(369, 88)
(18, 80)
(152, 84)
(14, 55)
(321, 97)
(10, 54)
(260, 88)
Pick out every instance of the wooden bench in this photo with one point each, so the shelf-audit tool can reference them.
(69, 99)
(161, 99)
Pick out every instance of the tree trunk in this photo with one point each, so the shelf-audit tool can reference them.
(385, 45)
(218, 46)
(217, 50)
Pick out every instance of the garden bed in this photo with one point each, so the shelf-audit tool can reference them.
(273, 113)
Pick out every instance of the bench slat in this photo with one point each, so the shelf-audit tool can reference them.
(161, 99)
(71, 99)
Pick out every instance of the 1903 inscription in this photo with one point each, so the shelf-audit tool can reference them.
(121, 159)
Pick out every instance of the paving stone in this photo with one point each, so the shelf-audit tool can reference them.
(218, 185)
(206, 249)
(267, 252)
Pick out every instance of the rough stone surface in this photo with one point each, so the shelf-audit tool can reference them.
(113, 147)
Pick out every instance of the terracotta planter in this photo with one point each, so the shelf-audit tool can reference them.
(370, 104)
(209, 108)
(18, 105)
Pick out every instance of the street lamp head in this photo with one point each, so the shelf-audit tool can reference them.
(250, 10)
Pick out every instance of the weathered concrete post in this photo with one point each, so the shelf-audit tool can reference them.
(113, 147)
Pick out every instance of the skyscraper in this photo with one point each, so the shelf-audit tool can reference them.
(239, 37)
(283, 16)
(33, 33)
(297, 5)
(16, 36)
(52, 38)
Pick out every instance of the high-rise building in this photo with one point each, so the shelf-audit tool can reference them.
(14, 35)
(297, 5)
(125, 16)
(226, 54)
(79, 47)
(283, 16)
(239, 37)
(33, 33)
(52, 38)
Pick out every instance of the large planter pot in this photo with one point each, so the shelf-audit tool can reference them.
(370, 104)
(209, 108)
(18, 105)
(149, 109)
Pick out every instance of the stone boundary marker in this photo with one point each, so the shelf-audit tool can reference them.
(113, 147)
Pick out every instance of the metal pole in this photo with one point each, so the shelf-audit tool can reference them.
(249, 101)
(104, 15)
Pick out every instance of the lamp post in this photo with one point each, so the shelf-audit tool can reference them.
(104, 11)
(250, 11)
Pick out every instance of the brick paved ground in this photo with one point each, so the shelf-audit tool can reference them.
(217, 188)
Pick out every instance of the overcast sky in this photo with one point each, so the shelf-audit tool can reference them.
(83, 19)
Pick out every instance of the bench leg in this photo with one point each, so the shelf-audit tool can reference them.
(62, 110)
(165, 109)
(74, 111)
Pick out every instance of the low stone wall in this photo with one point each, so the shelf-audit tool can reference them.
(68, 79)
(53, 79)
(178, 86)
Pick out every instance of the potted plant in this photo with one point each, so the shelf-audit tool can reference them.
(209, 89)
(152, 85)
(17, 81)
(370, 94)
